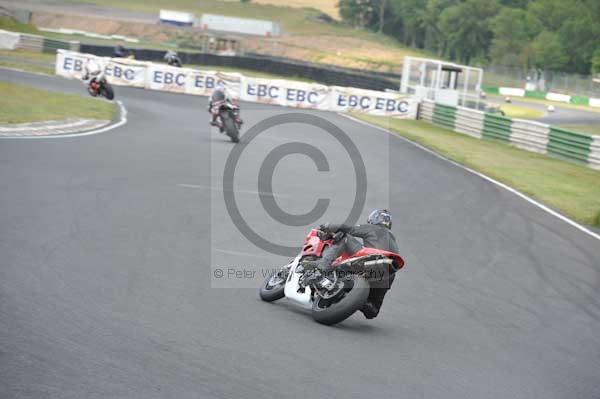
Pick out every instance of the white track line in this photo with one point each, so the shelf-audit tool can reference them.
(203, 187)
(499, 184)
(121, 122)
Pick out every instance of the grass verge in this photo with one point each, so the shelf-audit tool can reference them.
(518, 111)
(8, 23)
(21, 104)
(572, 189)
(28, 61)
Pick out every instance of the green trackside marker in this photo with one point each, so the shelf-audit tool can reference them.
(496, 127)
(580, 100)
(445, 116)
(569, 145)
(491, 89)
(536, 94)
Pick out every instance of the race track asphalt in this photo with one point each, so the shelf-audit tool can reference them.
(108, 245)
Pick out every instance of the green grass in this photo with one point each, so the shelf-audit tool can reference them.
(21, 104)
(572, 189)
(518, 111)
(8, 23)
(589, 129)
(28, 61)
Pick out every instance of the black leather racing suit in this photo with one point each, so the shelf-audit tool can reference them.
(217, 95)
(373, 236)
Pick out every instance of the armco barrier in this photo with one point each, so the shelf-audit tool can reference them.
(594, 158)
(527, 135)
(325, 74)
(153, 76)
(13, 41)
(569, 145)
(496, 127)
(444, 115)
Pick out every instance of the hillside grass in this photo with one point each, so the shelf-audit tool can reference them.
(304, 37)
(21, 104)
(29, 61)
(572, 189)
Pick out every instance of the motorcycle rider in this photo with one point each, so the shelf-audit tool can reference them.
(93, 69)
(218, 94)
(172, 58)
(375, 234)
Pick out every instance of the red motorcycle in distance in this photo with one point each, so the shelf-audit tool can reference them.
(98, 86)
(335, 296)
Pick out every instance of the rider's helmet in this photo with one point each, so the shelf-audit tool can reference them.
(380, 217)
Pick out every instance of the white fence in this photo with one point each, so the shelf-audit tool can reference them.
(287, 93)
(245, 26)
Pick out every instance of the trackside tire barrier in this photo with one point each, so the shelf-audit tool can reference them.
(525, 134)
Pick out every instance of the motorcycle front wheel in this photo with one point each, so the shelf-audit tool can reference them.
(272, 288)
(107, 91)
(337, 309)
(231, 129)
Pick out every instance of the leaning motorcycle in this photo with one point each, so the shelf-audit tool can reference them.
(334, 296)
(100, 87)
(227, 118)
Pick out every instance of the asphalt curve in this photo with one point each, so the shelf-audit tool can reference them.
(108, 245)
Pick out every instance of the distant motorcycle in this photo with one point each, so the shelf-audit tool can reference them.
(172, 58)
(99, 86)
(226, 116)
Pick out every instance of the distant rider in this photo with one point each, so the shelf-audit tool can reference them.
(172, 58)
(375, 234)
(218, 94)
(119, 51)
(93, 69)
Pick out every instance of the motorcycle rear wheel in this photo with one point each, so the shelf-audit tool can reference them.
(330, 312)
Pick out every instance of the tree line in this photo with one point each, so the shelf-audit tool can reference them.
(557, 35)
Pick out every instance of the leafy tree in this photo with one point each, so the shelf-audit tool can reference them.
(510, 36)
(359, 13)
(435, 39)
(580, 35)
(552, 13)
(467, 28)
(515, 3)
(596, 61)
(410, 14)
(549, 34)
(548, 53)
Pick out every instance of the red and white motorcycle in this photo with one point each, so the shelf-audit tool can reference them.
(335, 296)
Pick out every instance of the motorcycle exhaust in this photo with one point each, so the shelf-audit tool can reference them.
(379, 262)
